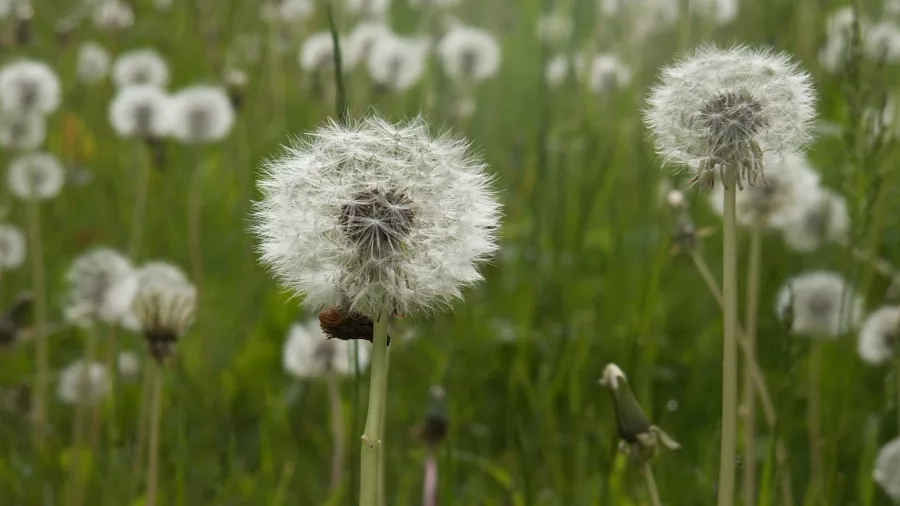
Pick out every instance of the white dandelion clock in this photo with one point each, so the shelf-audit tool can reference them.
(22, 131)
(377, 217)
(309, 353)
(469, 54)
(12, 247)
(128, 363)
(37, 176)
(653, 16)
(101, 285)
(142, 66)
(150, 273)
(141, 111)
(201, 114)
(823, 218)
(29, 85)
(878, 335)
(819, 304)
(882, 42)
(165, 308)
(398, 62)
(113, 15)
(317, 52)
(368, 8)
(83, 383)
(726, 107)
(781, 200)
(93, 63)
(722, 12)
(560, 67)
(833, 55)
(288, 11)
(555, 28)
(887, 469)
(360, 45)
(607, 73)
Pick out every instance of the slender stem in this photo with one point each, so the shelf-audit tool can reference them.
(1, 284)
(340, 86)
(42, 351)
(78, 425)
(371, 444)
(138, 457)
(814, 412)
(382, 454)
(729, 356)
(897, 388)
(338, 439)
(651, 485)
(750, 323)
(429, 489)
(195, 227)
(112, 367)
(153, 450)
(142, 187)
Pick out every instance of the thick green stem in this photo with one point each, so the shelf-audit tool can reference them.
(142, 187)
(814, 412)
(153, 449)
(382, 455)
(371, 443)
(651, 485)
(338, 439)
(750, 325)
(42, 351)
(729, 357)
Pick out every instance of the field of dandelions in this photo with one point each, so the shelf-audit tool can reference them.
(625, 252)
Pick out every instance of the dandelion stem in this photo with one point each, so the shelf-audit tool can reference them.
(195, 227)
(729, 356)
(78, 425)
(142, 187)
(42, 350)
(338, 440)
(429, 490)
(814, 412)
(153, 450)
(341, 96)
(382, 455)
(138, 457)
(749, 334)
(371, 444)
(651, 485)
(112, 367)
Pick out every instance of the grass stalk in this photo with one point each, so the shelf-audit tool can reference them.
(338, 439)
(750, 326)
(814, 414)
(371, 443)
(42, 350)
(651, 485)
(727, 451)
(153, 446)
(195, 227)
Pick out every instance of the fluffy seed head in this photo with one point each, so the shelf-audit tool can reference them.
(24, 131)
(882, 42)
(35, 175)
(363, 40)
(12, 247)
(469, 54)
(83, 383)
(375, 217)
(308, 353)
(438, 4)
(164, 306)
(288, 11)
(721, 12)
(721, 107)
(113, 15)
(878, 335)
(887, 468)
(823, 217)
(555, 28)
(141, 111)
(128, 364)
(29, 85)
(607, 73)
(317, 52)
(201, 114)
(93, 62)
(819, 304)
(100, 287)
(398, 62)
(368, 8)
(142, 66)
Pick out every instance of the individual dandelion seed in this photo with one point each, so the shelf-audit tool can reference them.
(368, 8)
(141, 66)
(819, 304)
(469, 54)
(164, 308)
(29, 85)
(882, 42)
(398, 62)
(607, 73)
(141, 111)
(823, 217)
(375, 217)
(112, 15)
(288, 11)
(782, 200)
(362, 41)
(128, 364)
(309, 353)
(555, 28)
(22, 131)
(100, 287)
(879, 334)
(317, 52)
(726, 107)
(201, 114)
(887, 468)
(722, 12)
(640, 439)
(35, 176)
(93, 62)
(12, 247)
(83, 383)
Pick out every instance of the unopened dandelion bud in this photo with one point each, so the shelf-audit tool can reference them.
(165, 306)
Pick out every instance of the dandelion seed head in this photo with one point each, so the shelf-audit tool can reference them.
(100, 287)
(93, 62)
(113, 15)
(607, 73)
(128, 364)
(317, 52)
(377, 216)
(438, 4)
(821, 303)
(22, 131)
(288, 11)
(164, 307)
(555, 28)
(823, 217)
(141, 111)
(142, 66)
(882, 42)
(12, 247)
(561, 66)
(398, 62)
(308, 353)
(201, 114)
(878, 335)
(83, 383)
(35, 175)
(721, 107)
(368, 8)
(887, 468)
(29, 85)
(362, 42)
(722, 12)
(469, 54)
